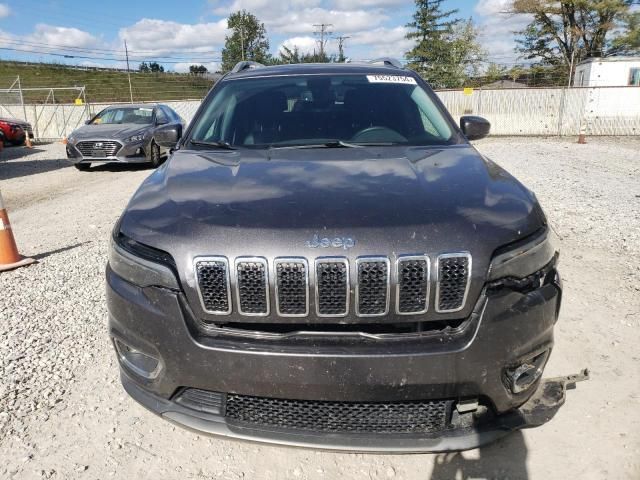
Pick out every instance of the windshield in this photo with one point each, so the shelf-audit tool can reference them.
(312, 110)
(142, 116)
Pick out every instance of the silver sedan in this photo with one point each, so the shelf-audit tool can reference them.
(123, 134)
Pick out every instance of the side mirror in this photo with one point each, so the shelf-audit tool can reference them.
(474, 127)
(87, 122)
(163, 121)
(168, 135)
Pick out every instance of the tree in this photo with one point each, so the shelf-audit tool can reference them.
(197, 69)
(562, 33)
(293, 55)
(628, 43)
(144, 67)
(247, 40)
(446, 49)
(494, 72)
(155, 67)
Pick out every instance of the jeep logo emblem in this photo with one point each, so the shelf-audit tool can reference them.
(326, 242)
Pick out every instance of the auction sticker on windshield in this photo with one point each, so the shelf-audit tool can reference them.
(391, 79)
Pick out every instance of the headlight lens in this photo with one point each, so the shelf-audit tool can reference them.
(524, 259)
(136, 138)
(71, 139)
(138, 270)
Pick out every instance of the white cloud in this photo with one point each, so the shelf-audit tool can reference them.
(153, 35)
(496, 29)
(65, 36)
(4, 10)
(350, 4)
(380, 42)
(304, 44)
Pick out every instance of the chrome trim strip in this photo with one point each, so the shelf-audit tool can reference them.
(360, 260)
(400, 259)
(348, 284)
(228, 274)
(466, 291)
(302, 260)
(264, 262)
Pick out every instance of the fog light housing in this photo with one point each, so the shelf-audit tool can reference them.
(522, 376)
(139, 362)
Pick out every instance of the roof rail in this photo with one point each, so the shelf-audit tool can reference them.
(387, 62)
(246, 65)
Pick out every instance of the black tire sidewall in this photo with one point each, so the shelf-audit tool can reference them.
(153, 148)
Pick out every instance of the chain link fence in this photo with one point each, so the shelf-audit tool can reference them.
(518, 111)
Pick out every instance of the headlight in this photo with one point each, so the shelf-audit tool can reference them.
(71, 139)
(136, 138)
(525, 259)
(137, 269)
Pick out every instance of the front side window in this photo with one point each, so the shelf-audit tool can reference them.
(142, 116)
(314, 109)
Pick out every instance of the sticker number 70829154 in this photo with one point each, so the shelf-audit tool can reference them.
(392, 79)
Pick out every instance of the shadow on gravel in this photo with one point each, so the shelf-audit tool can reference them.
(121, 167)
(40, 256)
(14, 163)
(507, 458)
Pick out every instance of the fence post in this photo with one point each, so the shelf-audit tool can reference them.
(24, 108)
(561, 110)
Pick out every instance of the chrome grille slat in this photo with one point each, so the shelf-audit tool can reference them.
(252, 286)
(332, 286)
(413, 284)
(212, 276)
(292, 287)
(109, 147)
(372, 286)
(452, 282)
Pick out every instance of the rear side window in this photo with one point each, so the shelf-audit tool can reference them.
(310, 109)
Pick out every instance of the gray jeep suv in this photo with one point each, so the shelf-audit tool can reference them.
(326, 261)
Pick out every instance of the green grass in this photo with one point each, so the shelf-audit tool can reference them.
(101, 85)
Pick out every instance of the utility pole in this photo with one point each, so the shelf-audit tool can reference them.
(341, 39)
(126, 52)
(322, 32)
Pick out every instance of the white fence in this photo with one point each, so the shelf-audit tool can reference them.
(521, 111)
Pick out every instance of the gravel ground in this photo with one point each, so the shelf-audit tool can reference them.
(64, 415)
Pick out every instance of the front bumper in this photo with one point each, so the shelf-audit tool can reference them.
(506, 328)
(133, 152)
(475, 432)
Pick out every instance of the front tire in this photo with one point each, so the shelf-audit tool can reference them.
(154, 154)
(83, 167)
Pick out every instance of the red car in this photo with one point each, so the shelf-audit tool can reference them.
(14, 131)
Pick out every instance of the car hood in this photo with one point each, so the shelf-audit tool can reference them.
(14, 121)
(112, 131)
(390, 201)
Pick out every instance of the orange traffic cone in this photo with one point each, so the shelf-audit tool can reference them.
(9, 256)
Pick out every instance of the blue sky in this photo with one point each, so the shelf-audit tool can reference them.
(192, 31)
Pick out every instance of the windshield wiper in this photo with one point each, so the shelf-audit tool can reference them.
(217, 144)
(331, 144)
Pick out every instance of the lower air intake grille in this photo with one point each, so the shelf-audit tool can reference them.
(213, 280)
(453, 280)
(292, 286)
(201, 400)
(343, 417)
(413, 285)
(332, 283)
(372, 286)
(251, 278)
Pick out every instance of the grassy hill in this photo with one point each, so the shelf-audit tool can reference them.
(102, 85)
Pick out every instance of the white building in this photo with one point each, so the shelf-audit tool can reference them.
(608, 72)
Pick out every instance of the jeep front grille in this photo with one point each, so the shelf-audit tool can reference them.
(252, 287)
(421, 416)
(98, 148)
(372, 288)
(454, 270)
(292, 287)
(413, 285)
(332, 287)
(213, 282)
(329, 279)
